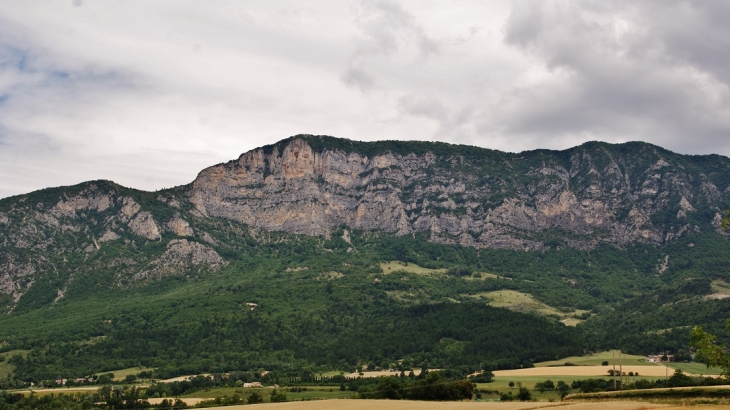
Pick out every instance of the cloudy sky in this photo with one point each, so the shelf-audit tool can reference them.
(148, 93)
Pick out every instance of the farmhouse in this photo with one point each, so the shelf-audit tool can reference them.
(658, 358)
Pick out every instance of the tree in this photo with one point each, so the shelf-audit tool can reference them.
(709, 351)
(277, 397)
(524, 394)
(563, 389)
(254, 398)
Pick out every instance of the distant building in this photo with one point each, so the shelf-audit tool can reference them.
(252, 384)
(659, 358)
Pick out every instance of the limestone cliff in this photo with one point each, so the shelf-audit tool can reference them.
(592, 194)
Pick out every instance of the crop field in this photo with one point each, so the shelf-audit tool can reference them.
(501, 384)
(421, 405)
(695, 368)
(395, 266)
(597, 358)
(312, 393)
(587, 371)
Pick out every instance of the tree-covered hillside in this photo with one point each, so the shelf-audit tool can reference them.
(98, 277)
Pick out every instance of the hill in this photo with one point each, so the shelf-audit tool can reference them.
(287, 259)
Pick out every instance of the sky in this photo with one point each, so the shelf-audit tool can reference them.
(149, 93)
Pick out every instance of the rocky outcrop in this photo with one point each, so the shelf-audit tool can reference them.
(587, 195)
(179, 226)
(145, 226)
(181, 255)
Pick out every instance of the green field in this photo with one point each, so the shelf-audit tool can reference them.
(695, 368)
(312, 393)
(501, 384)
(525, 303)
(123, 373)
(597, 358)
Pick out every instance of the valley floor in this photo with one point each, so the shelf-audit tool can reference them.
(420, 405)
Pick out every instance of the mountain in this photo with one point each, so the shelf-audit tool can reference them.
(592, 194)
(274, 248)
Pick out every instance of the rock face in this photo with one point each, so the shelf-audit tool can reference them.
(180, 256)
(592, 194)
(583, 197)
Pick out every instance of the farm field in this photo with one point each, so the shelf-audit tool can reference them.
(602, 371)
(421, 405)
(597, 358)
(501, 384)
(312, 393)
(355, 375)
(695, 368)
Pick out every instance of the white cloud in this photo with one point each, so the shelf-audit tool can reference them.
(148, 93)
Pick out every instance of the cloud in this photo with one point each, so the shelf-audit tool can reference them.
(620, 70)
(386, 28)
(149, 93)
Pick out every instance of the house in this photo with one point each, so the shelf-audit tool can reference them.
(659, 358)
(252, 384)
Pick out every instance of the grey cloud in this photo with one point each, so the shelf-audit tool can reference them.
(618, 70)
(452, 123)
(358, 77)
(387, 29)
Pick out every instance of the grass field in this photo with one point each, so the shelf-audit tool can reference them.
(122, 373)
(695, 368)
(525, 303)
(395, 266)
(721, 287)
(312, 393)
(597, 358)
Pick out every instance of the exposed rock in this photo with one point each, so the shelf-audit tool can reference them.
(85, 201)
(145, 226)
(180, 226)
(181, 255)
(129, 208)
(109, 236)
(294, 188)
(4, 220)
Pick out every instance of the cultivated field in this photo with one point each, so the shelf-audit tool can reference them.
(584, 371)
(421, 405)
(695, 368)
(597, 358)
(355, 375)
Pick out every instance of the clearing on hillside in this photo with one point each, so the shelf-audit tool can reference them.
(395, 266)
(121, 374)
(525, 303)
